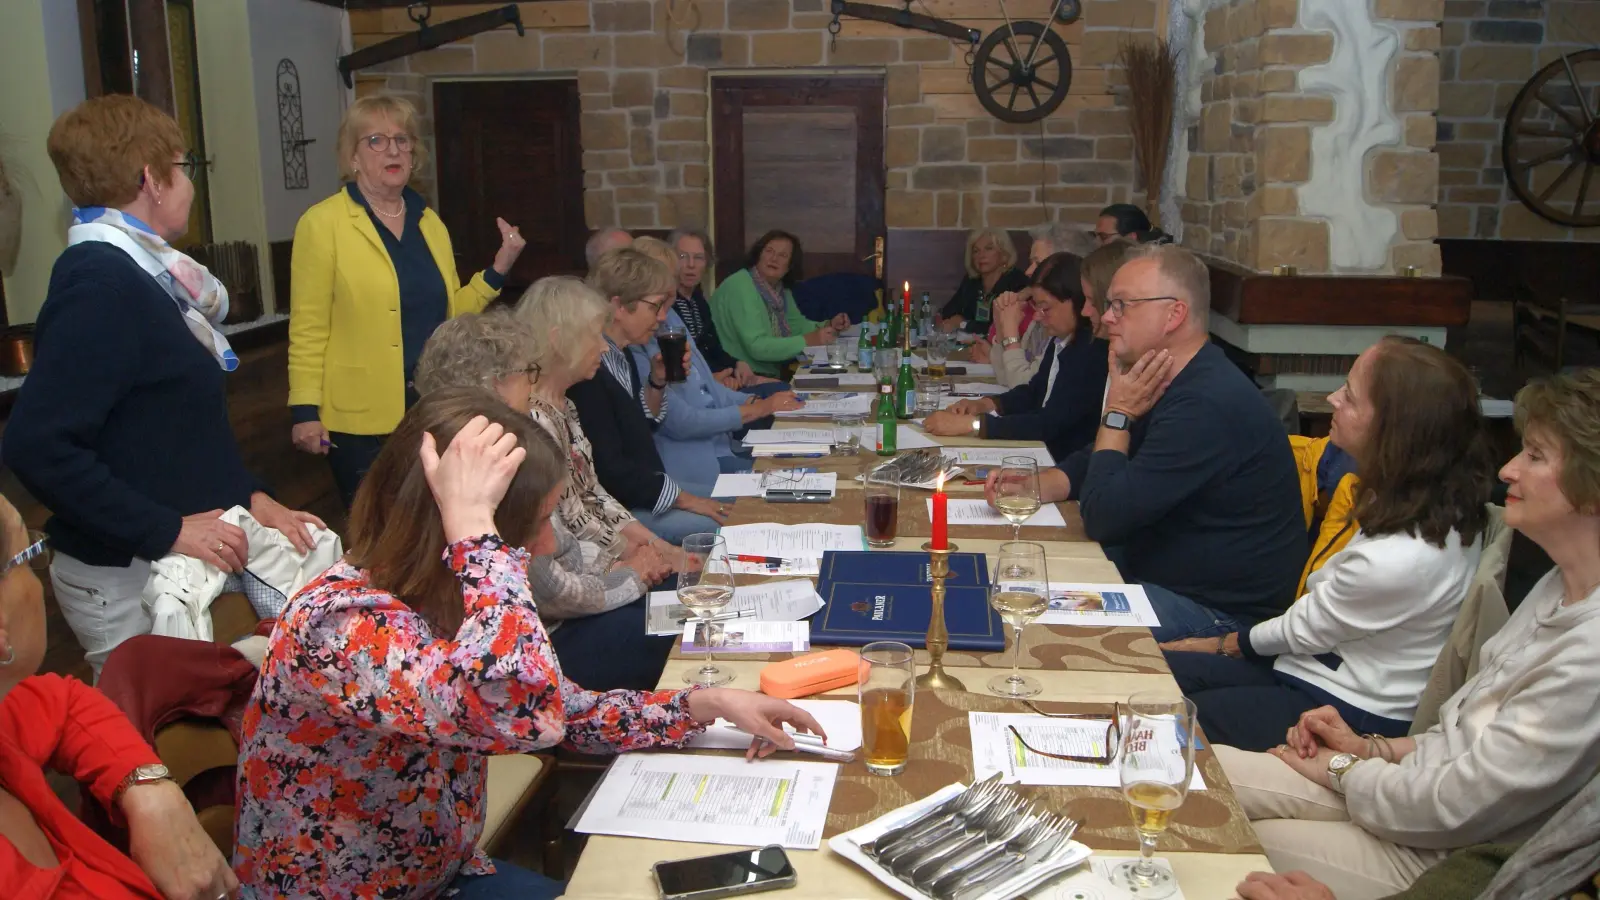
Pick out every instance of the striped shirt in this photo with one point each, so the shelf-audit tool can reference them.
(618, 363)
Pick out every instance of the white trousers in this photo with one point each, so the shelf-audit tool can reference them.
(103, 605)
(1303, 825)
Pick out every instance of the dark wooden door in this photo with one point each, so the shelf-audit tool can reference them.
(805, 154)
(510, 149)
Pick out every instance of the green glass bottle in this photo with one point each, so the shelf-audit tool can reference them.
(905, 390)
(887, 439)
(864, 347)
(891, 330)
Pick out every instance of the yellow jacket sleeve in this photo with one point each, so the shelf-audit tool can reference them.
(311, 285)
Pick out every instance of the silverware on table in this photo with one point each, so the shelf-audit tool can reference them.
(970, 800)
(980, 880)
(1000, 832)
(908, 855)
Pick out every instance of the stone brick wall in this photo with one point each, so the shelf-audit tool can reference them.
(1278, 174)
(643, 79)
(1491, 49)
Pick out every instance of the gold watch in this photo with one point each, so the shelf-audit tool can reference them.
(1337, 767)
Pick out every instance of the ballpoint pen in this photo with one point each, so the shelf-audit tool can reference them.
(762, 560)
(808, 743)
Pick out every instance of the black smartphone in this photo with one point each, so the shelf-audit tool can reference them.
(724, 875)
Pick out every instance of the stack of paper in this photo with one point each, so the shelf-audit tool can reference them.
(751, 636)
(758, 484)
(829, 404)
(979, 512)
(978, 389)
(772, 601)
(790, 441)
(994, 456)
(798, 548)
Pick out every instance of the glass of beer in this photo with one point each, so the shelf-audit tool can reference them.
(938, 350)
(886, 689)
(882, 490)
(705, 588)
(1020, 593)
(673, 340)
(1155, 764)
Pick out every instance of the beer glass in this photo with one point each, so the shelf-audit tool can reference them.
(938, 351)
(886, 689)
(1155, 765)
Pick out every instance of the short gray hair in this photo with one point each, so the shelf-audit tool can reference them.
(1187, 277)
(699, 234)
(596, 245)
(562, 314)
(1062, 239)
(476, 349)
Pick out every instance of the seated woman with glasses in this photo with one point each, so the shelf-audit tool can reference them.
(50, 723)
(1060, 404)
(1366, 815)
(392, 678)
(1364, 636)
(592, 601)
(1017, 332)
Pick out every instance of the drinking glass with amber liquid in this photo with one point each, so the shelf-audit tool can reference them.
(887, 688)
(1020, 593)
(1155, 764)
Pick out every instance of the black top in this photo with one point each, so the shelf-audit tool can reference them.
(121, 428)
(1071, 416)
(964, 302)
(696, 315)
(625, 457)
(1207, 504)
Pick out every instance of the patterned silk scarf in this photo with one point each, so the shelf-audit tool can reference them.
(777, 305)
(201, 298)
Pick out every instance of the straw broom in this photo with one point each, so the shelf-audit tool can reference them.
(1152, 73)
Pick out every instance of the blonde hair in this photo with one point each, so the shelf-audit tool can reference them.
(360, 116)
(1566, 408)
(658, 250)
(473, 349)
(563, 317)
(1002, 242)
(630, 276)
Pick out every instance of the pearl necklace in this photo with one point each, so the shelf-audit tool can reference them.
(387, 215)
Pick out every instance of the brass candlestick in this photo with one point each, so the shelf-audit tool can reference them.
(938, 636)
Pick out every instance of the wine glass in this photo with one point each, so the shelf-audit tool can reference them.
(1155, 765)
(1020, 593)
(705, 588)
(1016, 491)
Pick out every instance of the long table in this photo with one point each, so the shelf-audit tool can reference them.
(1211, 845)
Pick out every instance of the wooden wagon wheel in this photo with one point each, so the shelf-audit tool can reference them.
(1021, 72)
(1552, 134)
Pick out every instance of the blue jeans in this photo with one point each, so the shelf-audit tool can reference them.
(507, 883)
(674, 525)
(610, 651)
(732, 465)
(1183, 618)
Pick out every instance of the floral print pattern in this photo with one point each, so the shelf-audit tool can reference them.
(362, 767)
(586, 508)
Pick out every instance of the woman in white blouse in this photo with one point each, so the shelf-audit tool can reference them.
(1513, 744)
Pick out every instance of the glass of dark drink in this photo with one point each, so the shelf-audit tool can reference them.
(883, 507)
(673, 341)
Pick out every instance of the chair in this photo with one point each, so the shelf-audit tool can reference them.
(1482, 613)
(1539, 328)
(1285, 402)
(514, 783)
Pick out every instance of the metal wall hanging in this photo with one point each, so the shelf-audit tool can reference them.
(292, 128)
(427, 37)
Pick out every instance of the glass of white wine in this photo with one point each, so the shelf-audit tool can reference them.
(705, 587)
(1020, 593)
(1155, 764)
(1016, 491)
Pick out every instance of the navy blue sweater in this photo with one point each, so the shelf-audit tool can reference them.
(1207, 503)
(122, 426)
(1071, 416)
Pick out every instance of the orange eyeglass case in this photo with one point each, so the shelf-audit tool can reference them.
(812, 673)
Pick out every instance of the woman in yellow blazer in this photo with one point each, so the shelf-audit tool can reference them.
(372, 276)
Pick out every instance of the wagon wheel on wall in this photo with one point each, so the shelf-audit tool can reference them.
(1021, 72)
(1550, 146)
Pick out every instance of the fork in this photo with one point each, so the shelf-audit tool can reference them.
(904, 860)
(996, 871)
(999, 833)
(968, 802)
(1042, 830)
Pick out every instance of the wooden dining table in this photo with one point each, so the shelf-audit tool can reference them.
(1210, 844)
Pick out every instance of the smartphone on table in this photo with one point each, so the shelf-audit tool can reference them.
(724, 875)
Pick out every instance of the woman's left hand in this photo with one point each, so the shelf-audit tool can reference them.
(511, 244)
(1314, 767)
(840, 322)
(755, 713)
(288, 522)
(745, 375)
(166, 841)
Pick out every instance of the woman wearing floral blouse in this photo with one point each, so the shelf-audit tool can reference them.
(391, 678)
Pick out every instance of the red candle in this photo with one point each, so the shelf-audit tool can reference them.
(905, 299)
(941, 516)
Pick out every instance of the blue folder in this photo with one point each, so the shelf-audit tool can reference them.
(888, 596)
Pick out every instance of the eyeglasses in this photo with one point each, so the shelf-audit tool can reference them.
(1121, 306)
(36, 555)
(190, 164)
(531, 370)
(1113, 735)
(379, 143)
(654, 304)
(692, 257)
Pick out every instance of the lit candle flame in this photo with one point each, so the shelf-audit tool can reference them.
(938, 484)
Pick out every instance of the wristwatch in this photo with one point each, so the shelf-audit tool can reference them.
(977, 424)
(1340, 764)
(1008, 343)
(147, 774)
(1117, 421)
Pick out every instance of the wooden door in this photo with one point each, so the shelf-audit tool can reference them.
(804, 154)
(510, 149)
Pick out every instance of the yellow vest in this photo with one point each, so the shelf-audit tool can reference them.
(345, 354)
(1338, 524)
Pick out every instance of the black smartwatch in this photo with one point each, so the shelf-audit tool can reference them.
(1117, 421)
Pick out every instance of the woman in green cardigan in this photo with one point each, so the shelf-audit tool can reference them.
(754, 309)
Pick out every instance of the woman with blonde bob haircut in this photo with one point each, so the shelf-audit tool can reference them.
(373, 275)
(991, 258)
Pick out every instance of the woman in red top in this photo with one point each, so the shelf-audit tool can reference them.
(65, 725)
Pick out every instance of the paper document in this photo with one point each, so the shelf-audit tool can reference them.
(712, 799)
(908, 438)
(845, 379)
(788, 436)
(1496, 409)
(756, 484)
(978, 389)
(996, 749)
(994, 456)
(829, 404)
(739, 484)
(799, 546)
(750, 636)
(771, 601)
(840, 720)
(979, 512)
(1099, 605)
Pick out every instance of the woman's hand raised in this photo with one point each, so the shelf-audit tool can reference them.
(471, 477)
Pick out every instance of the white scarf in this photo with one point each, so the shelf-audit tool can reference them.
(201, 298)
